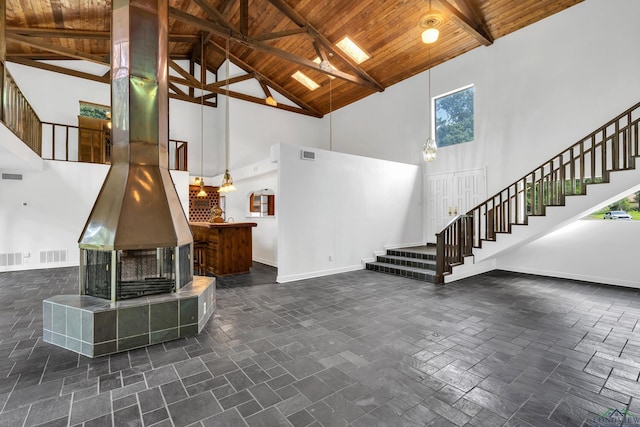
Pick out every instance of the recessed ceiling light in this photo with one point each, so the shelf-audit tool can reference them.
(352, 49)
(302, 78)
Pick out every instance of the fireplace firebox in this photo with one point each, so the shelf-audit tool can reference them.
(123, 274)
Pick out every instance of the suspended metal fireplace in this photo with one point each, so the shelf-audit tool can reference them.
(137, 240)
(136, 244)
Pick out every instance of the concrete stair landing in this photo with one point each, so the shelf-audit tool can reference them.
(417, 262)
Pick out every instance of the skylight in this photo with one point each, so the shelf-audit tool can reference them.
(306, 81)
(352, 49)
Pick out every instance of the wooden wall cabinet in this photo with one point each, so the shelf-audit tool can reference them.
(229, 246)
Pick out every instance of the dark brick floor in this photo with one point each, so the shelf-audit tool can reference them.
(360, 349)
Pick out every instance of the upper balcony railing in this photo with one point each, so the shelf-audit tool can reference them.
(79, 144)
(612, 147)
(18, 115)
(54, 141)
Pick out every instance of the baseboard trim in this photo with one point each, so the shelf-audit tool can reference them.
(268, 262)
(319, 273)
(572, 276)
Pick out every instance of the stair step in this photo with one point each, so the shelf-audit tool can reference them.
(411, 254)
(428, 264)
(403, 271)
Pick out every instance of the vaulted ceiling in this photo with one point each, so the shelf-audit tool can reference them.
(269, 40)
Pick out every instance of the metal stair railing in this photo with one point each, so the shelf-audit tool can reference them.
(612, 147)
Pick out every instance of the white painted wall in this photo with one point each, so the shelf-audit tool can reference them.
(591, 250)
(538, 91)
(255, 128)
(335, 211)
(47, 210)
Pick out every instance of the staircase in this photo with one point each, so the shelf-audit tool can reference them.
(599, 169)
(417, 262)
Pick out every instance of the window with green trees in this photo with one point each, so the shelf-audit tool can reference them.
(454, 117)
(96, 111)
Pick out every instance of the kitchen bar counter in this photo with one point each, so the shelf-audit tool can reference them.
(228, 248)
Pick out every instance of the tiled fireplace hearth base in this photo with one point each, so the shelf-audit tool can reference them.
(95, 327)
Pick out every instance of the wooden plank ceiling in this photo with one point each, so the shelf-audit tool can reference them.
(272, 39)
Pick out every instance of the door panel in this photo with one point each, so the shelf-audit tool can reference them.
(451, 194)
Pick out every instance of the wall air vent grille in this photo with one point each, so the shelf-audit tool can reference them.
(307, 155)
(57, 255)
(9, 259)
(14, 176)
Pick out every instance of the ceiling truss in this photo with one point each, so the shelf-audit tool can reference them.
(185, 85)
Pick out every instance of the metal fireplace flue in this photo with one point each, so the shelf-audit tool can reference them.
(136, 277)
(137, 240)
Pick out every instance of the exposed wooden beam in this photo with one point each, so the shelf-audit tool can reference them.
(265, 88)
(232, 80)
(57, 69)
(281, 90)
(49, 56)
(192, 70)
(213, 13)
(226, 6)
(280, 34)
(179, 91)
(60, 33)
(187, 98)
(184, 73)
(58, 15)
(280, 106)
(58, 49)
(472, 26)
(289, 12)
(234, 35)
(79, 74)
(244, 17)
(183, 38)
(299, 20)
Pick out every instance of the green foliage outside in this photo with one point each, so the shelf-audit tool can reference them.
(454, 118)
(90, 110)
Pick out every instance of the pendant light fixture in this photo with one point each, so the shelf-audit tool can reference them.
(330, 116)
(430, 23)
(227, 181)
(430, 147)
(203, 72)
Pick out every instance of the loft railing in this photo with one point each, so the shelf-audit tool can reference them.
(18, 115)
(80, 144)
(612, 147)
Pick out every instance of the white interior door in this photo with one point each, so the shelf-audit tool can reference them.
(439, 199)
(451, 194)
(469, 189)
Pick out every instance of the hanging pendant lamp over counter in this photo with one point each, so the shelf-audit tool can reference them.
(200, 181)
(227, 181)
